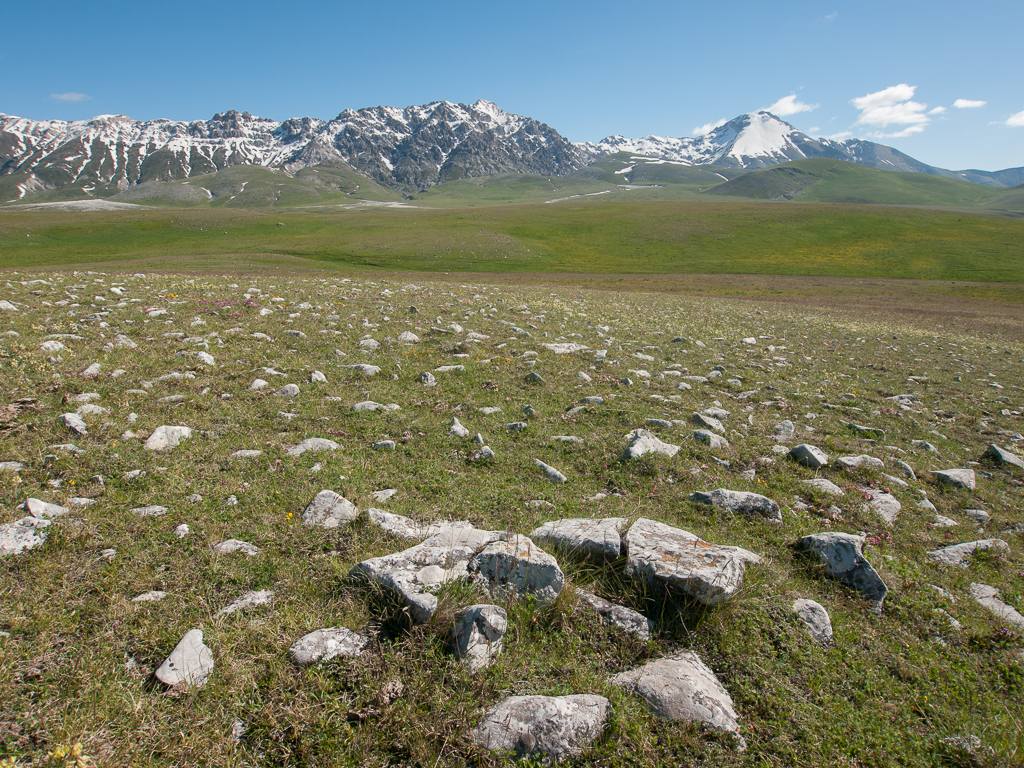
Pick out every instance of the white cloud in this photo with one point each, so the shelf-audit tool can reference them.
(892, 106)
(890, 95)
(936, 111)
(788, 105)
(71, 96)
(815, 129)
(968, 104)
(839, 136)
(700, 130)
(832, 16)
(1017, 120)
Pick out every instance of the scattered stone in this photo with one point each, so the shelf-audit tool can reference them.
(534, 378)
(190, 663)
(457, 430)
(1002, 457)
(824, 485)
(21, 535)
(641, 441)
(477, 635)
(408, 337)
(258, 384)
(567, 439)
(980, 516)
(181, 531)
(596, 538)
(317, 377)
(708, 422)
(516, 426)
(872, 432)
(809, 456)
(329, 510)
(152, 510)
(235, 545)
(549, 726)
(245, 454)
(481, 454)
(364, 368)
(150, 597)
(785, 431)
(987, 597)
(43, 509)
(427, 379)
(709, 438)
(660, 555)
(313, 444)
(744, 502)
(248, 600)
(517, 566)
(564, 349)
(682, 687)
(288, 390)
(842, 554)
(960, 554)
(814, 615)
(327, 644)
(853, 462)
(958, 478)
(383, 495)
(11, 466)
(550, 472)
(384, 445)
(883, 504)
(164, 438)
(620, 616)
(73, 423)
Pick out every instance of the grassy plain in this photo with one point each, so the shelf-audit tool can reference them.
(570, 237)
(892, 690)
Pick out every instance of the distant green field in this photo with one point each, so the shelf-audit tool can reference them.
(587, 236)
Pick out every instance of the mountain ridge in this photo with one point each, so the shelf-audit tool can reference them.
(410, 148)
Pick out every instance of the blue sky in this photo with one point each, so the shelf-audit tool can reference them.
(938, 80)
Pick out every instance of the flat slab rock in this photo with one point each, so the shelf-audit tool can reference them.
(250, 599)
(165, 437)
(442, 557)
(987, 597)
(326, 644)
(809, 456)
(842, 554)
(548, 726)
(1002, 456)
(190, 663)
(313, 444)
(960, 554)
(617, 615)
(22, 535)
(517, 566)
(824, 485)
(682, 687)
(596, 538)
(743, 502)
(406, 528)
(660, 556)
(642, 442)
(883, 504)
(329, 510)
(958, 478)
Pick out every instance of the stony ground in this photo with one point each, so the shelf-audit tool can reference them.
(94, 365)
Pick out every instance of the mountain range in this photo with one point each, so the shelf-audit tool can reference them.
(408, 149)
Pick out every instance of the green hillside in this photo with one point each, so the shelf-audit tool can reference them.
(836, 181)
(1011, 199)
(628, 168)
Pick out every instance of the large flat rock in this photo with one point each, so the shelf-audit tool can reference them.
(960, 554)
(742, 502)
(440, 558)
(517, 566)
(682, 687)
(190, 663)
(548, 726)
(596, 538)
(662, 556)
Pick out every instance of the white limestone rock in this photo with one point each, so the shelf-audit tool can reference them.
(190, 663)
(477, 635)
(641, 442)
(552, 727)
(596, 538)
(662, 556)
(816, 618)
(682, 687)
(960, 554)
(743, 502)
(329, 510)
(326, 644)
(517, 566)
(165, 437)
(842, 555)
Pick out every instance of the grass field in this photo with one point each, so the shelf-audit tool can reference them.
(570, 237)
(901, 687)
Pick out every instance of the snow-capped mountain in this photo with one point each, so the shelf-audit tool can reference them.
(413, 147)
(760, 140)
